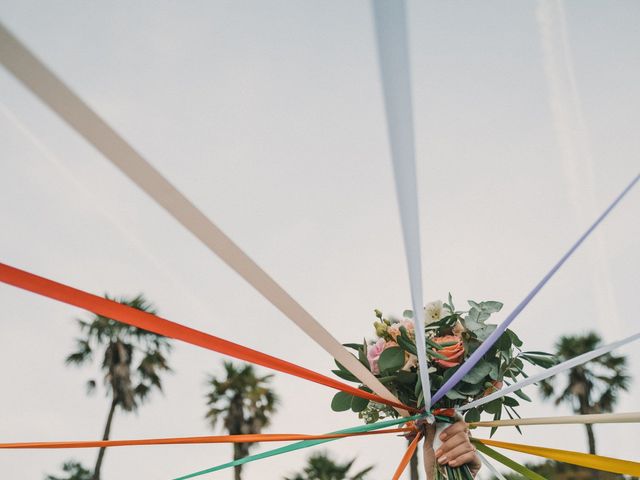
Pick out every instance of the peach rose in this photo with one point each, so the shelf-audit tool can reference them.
(454, 353)
(394, 330)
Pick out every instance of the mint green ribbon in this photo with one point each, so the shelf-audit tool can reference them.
(300, 445)
(506, 461)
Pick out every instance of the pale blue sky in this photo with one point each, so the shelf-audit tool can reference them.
(268, 115)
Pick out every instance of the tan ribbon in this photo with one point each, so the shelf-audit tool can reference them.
(630, 417)
(54, 93)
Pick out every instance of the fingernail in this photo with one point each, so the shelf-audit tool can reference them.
(453, 463)
(443, 436)
(438, 453)
(442, 459)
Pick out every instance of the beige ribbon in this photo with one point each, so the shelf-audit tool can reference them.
(62, 100)
(631, 417)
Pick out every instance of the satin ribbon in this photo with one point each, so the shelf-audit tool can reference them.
(507, 462)
(255, 438)
(631, 417)
(491, 468)
(61, 99)
(298, 446)
(406, 458)
(549, 372)
(393, 55)
(495, 335)
(155, 324)
(597, 462)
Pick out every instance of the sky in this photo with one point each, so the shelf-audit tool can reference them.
(269, 117)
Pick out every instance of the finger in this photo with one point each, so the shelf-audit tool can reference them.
(469, 457)
(452, 442)
(453, 429)
(454, 454)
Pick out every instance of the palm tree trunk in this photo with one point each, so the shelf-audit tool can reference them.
(592, 439)
(237, 454)
(413, 465)
(107, 430)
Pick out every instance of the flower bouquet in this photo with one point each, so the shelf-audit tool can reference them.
(451, 337)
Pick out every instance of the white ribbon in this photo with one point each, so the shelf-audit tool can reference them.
(62, 100)
(393, 54)
(488, 464)
(630, 417)
(561, 367)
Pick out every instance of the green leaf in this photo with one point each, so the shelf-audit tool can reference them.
(341, 402)
(345, 375)
(495, 369)
(473, 415)
(514, 338)
(354, 346)
(358, 404)
(484, 332)
(491, 307)
(510, 402)
(391, 359)
(407, 378)
(478, 373)
(504, 342)
(494, 406)
(405, 342)
(454, 395)
(407, 314)
(469, 389)
(522, 395)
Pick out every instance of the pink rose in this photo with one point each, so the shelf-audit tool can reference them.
(374, 351)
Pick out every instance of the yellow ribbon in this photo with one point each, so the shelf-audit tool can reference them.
(587, 460)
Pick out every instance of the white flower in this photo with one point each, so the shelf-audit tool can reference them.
(434, 311)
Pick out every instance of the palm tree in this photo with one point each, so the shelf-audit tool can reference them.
(321, 467)
(132, 360)
(244, 404)
(592, 387)
(75, 471)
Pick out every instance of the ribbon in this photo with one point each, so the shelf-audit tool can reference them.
(580, 359)
(393, 55)
(155, 324)
(406, 458)
(298, 446)
(495, 335)
(597, 462)
(506, 461)
(254, 438)
(631, 417)
(491, 468)
(61, 99)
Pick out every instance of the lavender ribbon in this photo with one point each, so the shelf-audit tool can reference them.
(488, 343)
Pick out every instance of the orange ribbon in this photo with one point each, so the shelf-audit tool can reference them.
(266, 437)
(152, 323)
(406, 458)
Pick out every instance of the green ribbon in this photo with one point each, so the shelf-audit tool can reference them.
(300, 445)
(521, 469)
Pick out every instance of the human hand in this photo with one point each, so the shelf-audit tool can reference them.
(456, 449)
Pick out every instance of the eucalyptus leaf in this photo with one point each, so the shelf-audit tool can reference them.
(454, 395)
(358, 404)
(407, 314)
(478, 373)
(341, 402)
(391, 359)
(491, 307)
